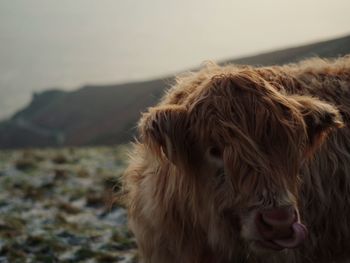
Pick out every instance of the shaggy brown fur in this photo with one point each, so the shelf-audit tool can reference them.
(224, 144)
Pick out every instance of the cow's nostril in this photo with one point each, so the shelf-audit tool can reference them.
(265, 229)
(263, 222)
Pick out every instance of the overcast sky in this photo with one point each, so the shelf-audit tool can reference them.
(68, 43)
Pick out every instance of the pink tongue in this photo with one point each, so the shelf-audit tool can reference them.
(299, 235)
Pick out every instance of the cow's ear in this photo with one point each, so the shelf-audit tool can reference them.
(320, 119)
(165, 129)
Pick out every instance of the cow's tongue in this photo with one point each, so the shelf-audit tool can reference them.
(299, 235)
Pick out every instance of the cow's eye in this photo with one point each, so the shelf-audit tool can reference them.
(215, 152)
(215, 156)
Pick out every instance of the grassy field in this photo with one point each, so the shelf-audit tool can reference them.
(54, 206)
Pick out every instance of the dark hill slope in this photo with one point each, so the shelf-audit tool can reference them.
(108, 114)
(90, 115)
(326, 49)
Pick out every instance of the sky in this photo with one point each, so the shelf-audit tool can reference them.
(68, 43)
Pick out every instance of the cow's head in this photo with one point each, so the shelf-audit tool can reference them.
(242, 141)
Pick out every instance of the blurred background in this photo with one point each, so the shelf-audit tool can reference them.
(79, 73)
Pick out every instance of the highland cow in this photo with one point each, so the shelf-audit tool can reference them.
(245, 164)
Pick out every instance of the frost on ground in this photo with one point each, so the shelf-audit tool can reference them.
(53, 206)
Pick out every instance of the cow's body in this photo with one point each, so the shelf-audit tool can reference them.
(270, 157)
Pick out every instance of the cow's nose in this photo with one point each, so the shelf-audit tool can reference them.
(275, 223)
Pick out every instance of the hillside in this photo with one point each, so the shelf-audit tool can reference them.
(94, 115)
